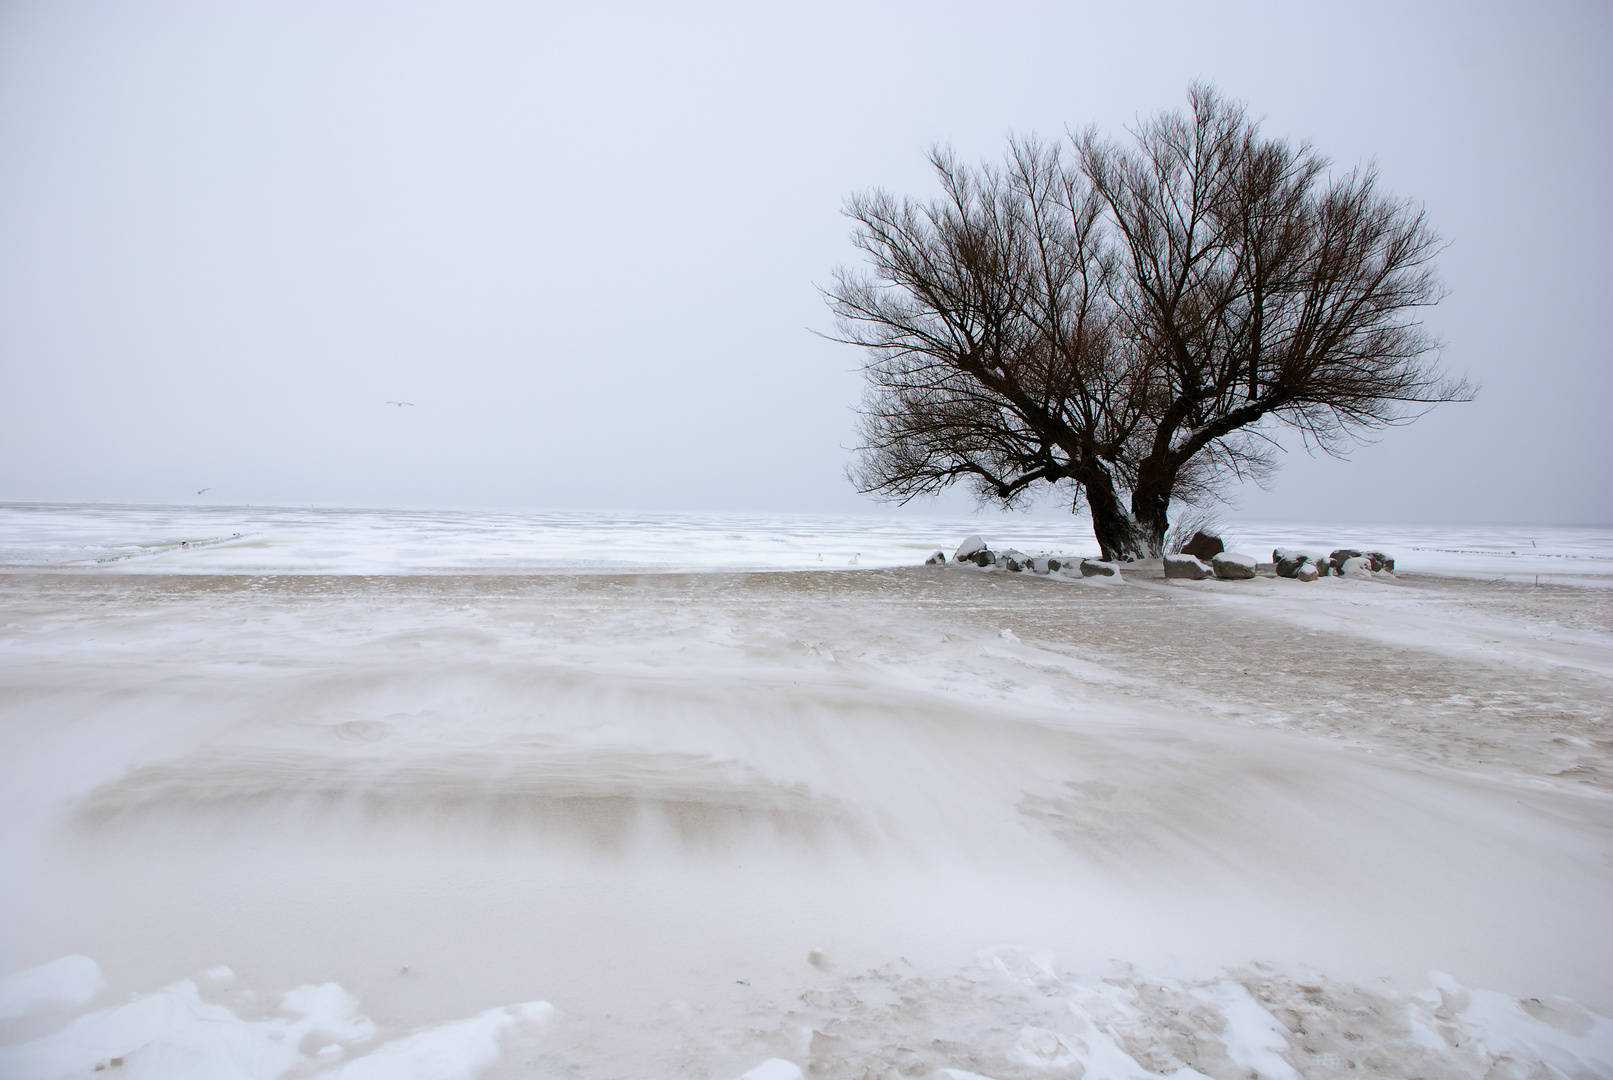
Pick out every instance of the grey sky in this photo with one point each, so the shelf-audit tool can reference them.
(584, 243)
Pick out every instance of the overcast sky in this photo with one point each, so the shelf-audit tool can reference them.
(586, 243)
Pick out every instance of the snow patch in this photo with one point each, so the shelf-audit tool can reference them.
(174, 1034)
(773, 1069)
(1253, 1037)
(72, 980)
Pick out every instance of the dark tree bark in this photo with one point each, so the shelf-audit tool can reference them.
(1129, 322)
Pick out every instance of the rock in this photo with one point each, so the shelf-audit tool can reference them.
(938, 559)
(1307, 571)
(1289, 560)
(1099, 568)
(1335, 561)
(1203, 546)
(968, 548)
(1015, 560)
(1012, 564)
(1356, 566)
(1054, 566)
(1377, 561)
(983, 557)
(1231, 566)
(1186, 567)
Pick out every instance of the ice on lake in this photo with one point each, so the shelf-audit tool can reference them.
(335, 540)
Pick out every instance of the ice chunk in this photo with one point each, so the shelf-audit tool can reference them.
(175, 1035)
(773, 1069)
(178, 1037)
(72, 980)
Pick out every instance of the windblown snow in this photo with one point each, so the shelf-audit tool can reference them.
(901, 821)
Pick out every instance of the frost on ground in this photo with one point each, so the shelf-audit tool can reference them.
(336, 825)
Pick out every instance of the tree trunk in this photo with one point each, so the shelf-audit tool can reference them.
(1151, 504)
(1126, 536)
(1121, 537)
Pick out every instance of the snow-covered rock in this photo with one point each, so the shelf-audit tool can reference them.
(983, 557)
(1289, 561)
(1099, 568)
(1233, 566)
(1308, 571)
(1357, 566)
(1377, 561)
(1187, 568)
(938, 559)
(1015, 560)
(968, 548)
(1335, 561)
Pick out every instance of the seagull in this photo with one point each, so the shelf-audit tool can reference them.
(204, 491)
(400, 404)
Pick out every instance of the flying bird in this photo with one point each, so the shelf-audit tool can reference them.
(400, 404)
(204, 491)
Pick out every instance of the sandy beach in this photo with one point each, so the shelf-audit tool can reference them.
(866, 822)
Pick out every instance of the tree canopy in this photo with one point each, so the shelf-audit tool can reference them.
(1133, 319)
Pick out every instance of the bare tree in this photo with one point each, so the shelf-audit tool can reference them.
(1130, 321)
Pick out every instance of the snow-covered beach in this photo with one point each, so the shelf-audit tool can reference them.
(426, 794)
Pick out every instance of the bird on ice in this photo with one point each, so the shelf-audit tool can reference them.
(400, 404)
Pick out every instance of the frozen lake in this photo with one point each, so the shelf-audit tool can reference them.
(359, 541)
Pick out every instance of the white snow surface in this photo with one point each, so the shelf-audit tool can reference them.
(492, 822)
